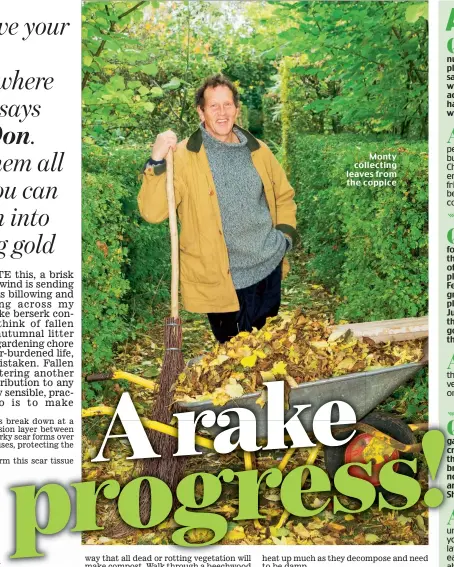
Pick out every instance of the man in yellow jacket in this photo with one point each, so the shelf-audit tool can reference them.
(236, 210)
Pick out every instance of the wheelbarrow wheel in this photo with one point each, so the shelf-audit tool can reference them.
(387, 423)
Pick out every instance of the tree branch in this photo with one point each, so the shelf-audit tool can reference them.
(131, 10)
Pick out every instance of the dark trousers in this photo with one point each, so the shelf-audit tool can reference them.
(257, 302)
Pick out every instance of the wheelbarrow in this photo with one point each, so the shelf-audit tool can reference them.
(363, 391)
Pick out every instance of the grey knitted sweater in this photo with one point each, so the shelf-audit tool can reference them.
(255, 247)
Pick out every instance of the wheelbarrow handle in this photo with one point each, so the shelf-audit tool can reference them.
(99, 377)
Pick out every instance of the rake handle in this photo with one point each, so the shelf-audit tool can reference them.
(173, 235)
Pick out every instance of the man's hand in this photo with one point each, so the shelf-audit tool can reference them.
(163, 143)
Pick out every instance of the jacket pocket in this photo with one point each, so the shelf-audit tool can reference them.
(190, 264)
(197, 268)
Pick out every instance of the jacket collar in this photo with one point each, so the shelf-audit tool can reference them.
(195, 140)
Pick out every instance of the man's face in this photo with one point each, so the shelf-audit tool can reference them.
(219, 112)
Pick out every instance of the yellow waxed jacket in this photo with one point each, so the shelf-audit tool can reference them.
(206, 283)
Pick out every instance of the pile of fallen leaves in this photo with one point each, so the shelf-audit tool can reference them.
(290, 347)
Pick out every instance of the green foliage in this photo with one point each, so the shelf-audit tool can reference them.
(146, 268)
(272, 126)
(115, 96)
(104, 285)
(369, 244)
(410, 400)
(355, 66)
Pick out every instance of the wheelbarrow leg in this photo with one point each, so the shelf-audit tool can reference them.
(309, 461)
(249, 465)
(288, 455)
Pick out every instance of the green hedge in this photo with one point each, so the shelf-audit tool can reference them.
(148, 266)
(104, 285)
(368, 244)
(126, 269)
